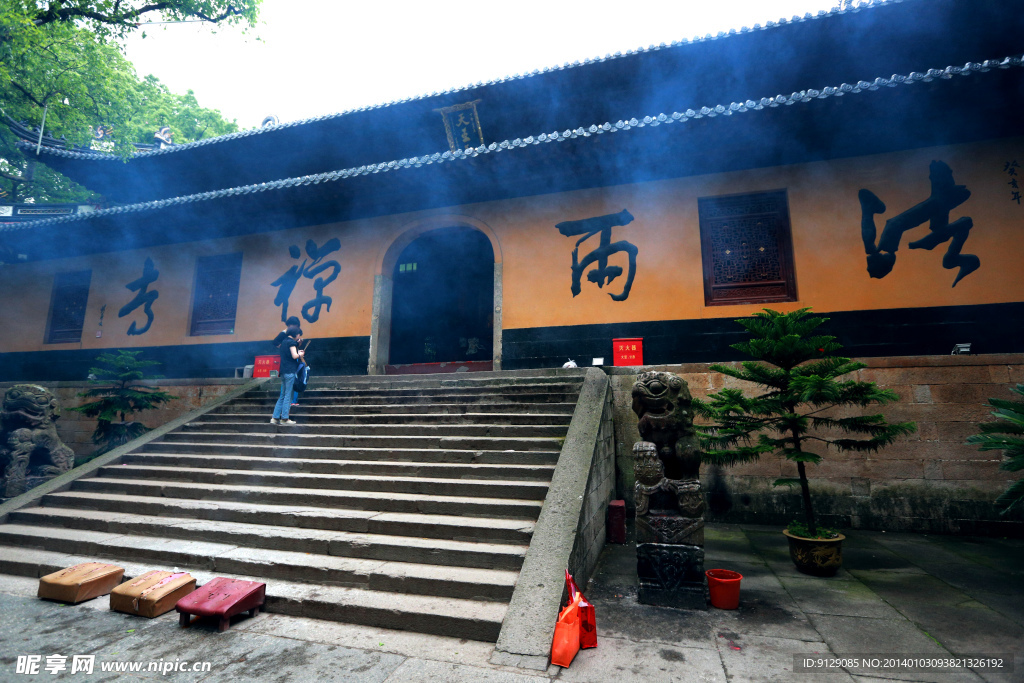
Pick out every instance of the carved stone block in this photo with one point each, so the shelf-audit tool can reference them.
(671, 575)
(669, 528)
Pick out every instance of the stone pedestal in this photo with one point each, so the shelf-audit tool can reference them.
(671, 575)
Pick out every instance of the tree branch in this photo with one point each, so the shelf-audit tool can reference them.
(27, 94)
(56, 12)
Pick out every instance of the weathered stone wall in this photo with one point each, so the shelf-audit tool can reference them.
(928, 482)
(590, 534)
(75, 429)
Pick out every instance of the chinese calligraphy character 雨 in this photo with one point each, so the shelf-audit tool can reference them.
(603, 273)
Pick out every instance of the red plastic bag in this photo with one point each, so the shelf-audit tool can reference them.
(566, 642)
(588, 618)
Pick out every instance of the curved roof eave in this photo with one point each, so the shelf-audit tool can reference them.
(174, 149)
(746, 106)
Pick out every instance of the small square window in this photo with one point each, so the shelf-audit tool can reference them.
(746, 249)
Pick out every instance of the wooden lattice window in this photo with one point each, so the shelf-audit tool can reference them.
(67, 307)
(746, 248)
(215, 300)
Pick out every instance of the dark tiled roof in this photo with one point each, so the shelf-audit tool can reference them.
(749, 105)
(60, 151)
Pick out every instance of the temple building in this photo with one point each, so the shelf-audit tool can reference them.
(519, 223)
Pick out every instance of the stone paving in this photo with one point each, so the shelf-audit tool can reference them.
(897, 594)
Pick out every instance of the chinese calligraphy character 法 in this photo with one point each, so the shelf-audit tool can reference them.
(143, 297)
(945, 196)
(286, 283)
(1010, 168)
(603, 273)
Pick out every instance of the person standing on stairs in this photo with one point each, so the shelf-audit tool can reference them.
(290, 356)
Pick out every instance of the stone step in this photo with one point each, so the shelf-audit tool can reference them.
(407, 420)
(353, 500)
(474, 488)
(299, 435)
(450, 527)
(488, 379)
(54, 527)
(458, 618)
(425, 390)
(318, 425)
(349, 467)
(429, 455)
(537, 399)
(411, 409)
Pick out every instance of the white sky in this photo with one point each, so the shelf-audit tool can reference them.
(317, 57)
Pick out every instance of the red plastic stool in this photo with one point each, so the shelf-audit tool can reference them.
(222, 598)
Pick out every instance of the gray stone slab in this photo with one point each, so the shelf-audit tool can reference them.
(615, 659)
(446, 672)
(31, 626)
(723, 545)
(919, 549)
(961, 624)
(1000, 554)
(1010, 605)
(861, 636)
(765, 613)
(758, 659)
(616, 566)
(860, 552)
(241, 655)
(404, 643)
(619, 615)
(756, 576)
(844, 598)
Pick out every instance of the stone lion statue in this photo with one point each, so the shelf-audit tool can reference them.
(662, 402)
(667, 494)
(30, 450)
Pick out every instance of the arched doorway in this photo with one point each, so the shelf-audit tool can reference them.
(442, 302)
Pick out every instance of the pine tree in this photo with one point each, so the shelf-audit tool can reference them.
(120, 397)
(802, 382)
(1006, 434)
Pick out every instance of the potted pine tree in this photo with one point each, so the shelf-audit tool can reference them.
(119, 396)
(1006, 434)
(801, 382)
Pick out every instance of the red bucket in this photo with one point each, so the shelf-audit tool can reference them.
(724, 586)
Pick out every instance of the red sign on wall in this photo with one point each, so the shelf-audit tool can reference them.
(628, 351)
(264, 364)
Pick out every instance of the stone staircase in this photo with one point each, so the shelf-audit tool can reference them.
(404, 503)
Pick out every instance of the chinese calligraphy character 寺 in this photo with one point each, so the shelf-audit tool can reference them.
(143, 297)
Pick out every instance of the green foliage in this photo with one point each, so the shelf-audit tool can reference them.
(118, 396)
(1006, 434)
(57, 58)
(118, 18)
(802, 383)
(800, 529)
